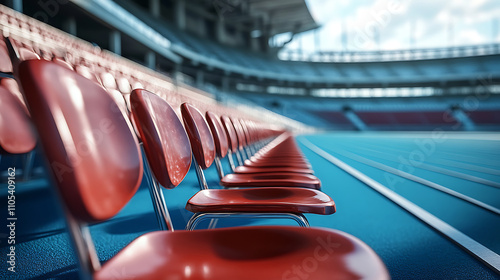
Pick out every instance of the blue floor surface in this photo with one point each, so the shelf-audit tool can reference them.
(409, 248)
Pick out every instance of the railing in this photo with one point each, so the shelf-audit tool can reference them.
(393, 55)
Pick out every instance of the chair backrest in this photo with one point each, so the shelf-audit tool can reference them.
(27, 54)
(200, 136)
(164, 138)
(119, 100)
(230, 133)
(220, 137)
(239, 133)
(62, 62)
(5, 62)
(94, 158)
(107, 80)
(248, 128)
(16, 135)
(123, 85)
(86, 72)
(13, 87)
(245, 130)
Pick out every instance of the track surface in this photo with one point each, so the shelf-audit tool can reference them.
(465, 164)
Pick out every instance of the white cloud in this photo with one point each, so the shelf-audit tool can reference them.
(435, 23)
(470, 36)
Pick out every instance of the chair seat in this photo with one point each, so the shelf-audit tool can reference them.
(257, 200)
(258, 157)
(299, 159)
(277, 179)
(277, 252)
(253, 169)
(277, 163)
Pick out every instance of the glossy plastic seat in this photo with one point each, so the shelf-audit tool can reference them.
(165, 141)
(221, 140)
(73, 119)
(232, 142)
(62, 62)
(289, 201)
(245, 253)
(271, 179)
(86, 72)
(253, 169)
(17, 52)
(262, 200)
(16, 135)
(278, 162)
(223, 147)
(5, 62)
(290, 175)
(11, 85)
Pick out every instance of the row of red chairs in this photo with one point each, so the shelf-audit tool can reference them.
(96, 66)
(288, 194)
(103, 169)
(115, 73)
(92, 116)
(31, 39)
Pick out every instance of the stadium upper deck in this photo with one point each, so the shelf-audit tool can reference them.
(213, 47)
(215, 43)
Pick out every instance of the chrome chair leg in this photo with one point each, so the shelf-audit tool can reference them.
(198, 217)
(157, 198)
(220, 169)
(213, 223)
(238, 157)
(28, 165)
(193, 221)
(231, 161)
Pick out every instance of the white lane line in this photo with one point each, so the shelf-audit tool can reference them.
(493, 136)
(460, 175)
(468, 166)
(420, 180)
(488, 257)
(453, 155)
(441, 170)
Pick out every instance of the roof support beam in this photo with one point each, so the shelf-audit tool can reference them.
(154, 8)
(115, 42)
(69, 25)
(459, 114)
(151, 60)
(354, 119)
(17, 5)
(180, 14)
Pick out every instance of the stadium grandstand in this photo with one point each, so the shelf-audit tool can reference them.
(176, 139)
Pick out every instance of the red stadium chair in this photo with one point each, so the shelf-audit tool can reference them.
(11, 85)
(232, 141)
(108, 81)
(87, 73)
(221, 140)
(5, 62)
(16, 135)
(62, 62)
(72, 116)
(233, 148)
(285, 202)
(223, 148)
(278, 174)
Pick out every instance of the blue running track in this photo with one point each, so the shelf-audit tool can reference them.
(467, 164)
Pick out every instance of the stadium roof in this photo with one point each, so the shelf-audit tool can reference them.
(284, 16)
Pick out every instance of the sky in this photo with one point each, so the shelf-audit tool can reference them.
(364, 25)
